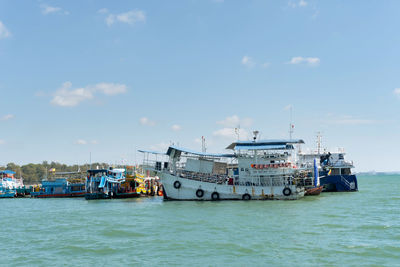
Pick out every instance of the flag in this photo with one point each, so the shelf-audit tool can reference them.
(330, 171)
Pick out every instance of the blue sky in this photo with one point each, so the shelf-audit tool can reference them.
(109, 77)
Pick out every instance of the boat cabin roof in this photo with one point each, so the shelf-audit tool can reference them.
(7, 172)
(117, 170)
(272, 144)
(188, 151)
(94, 171)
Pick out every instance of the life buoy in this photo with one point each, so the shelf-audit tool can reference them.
(246, 197)
(252, 165)
(287, 191)
(200, 193)
(177, 184)
(215, 196)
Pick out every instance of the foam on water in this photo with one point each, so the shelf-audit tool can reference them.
(359, 228)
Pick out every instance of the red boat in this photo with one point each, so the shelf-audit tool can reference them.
(315, 191)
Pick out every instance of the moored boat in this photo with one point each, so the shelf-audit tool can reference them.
(58, 189)
(334, 170)
(9, 184)
(256, 170)
(111, 183)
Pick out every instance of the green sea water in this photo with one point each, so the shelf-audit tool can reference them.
(333, 229)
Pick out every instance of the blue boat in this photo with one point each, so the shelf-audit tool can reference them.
(336, 175)
(59, 188)
(111, 183)
(334, 171)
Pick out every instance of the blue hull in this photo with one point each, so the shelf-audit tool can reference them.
(339, 183)
(7, 195)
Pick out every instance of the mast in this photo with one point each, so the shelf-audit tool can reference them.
(203, 144)
(237, 131)
(319, 142)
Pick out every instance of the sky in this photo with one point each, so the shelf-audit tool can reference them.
(97, 80)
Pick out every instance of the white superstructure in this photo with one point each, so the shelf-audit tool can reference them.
(255, 170)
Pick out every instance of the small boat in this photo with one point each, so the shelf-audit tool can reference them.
(111, 183)
(314, 191)
(257, 170)
(58, 189)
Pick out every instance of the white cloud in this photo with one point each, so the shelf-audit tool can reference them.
(176, 127)
(235, 121)
(4, 32)
(131, 17)
(85, 142)
(288, 107)
(102, 11)
(248, 62)
(68, 97)
(146, 121)
(81, 142)
(396, 91)
(350, 120)
(313, 61)
(266, 65)
(2, 142)
(231, 134)
(162, 147)
(46, 9)
(7, 117)
(110, 88)
(294, 4)
(303, 3)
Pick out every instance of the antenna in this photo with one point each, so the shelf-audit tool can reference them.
(255, 133)
(237, 132)
(291, 125)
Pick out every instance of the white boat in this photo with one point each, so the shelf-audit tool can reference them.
(256, 170)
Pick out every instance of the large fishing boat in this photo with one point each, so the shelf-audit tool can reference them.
(111, 183)
(9, 184)
(59, 185)
(256, 170)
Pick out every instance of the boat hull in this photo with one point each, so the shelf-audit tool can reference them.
(315, 191)
(126, 195)
(90, 196)
(188, 189)
(339, 183)
(7, 195)
(64, 195)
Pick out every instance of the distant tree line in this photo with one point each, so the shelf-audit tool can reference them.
(35, 173)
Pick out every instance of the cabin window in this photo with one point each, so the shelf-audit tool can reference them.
(346, 171)
(242, 169)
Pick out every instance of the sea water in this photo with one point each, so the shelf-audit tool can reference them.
(333, 229)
